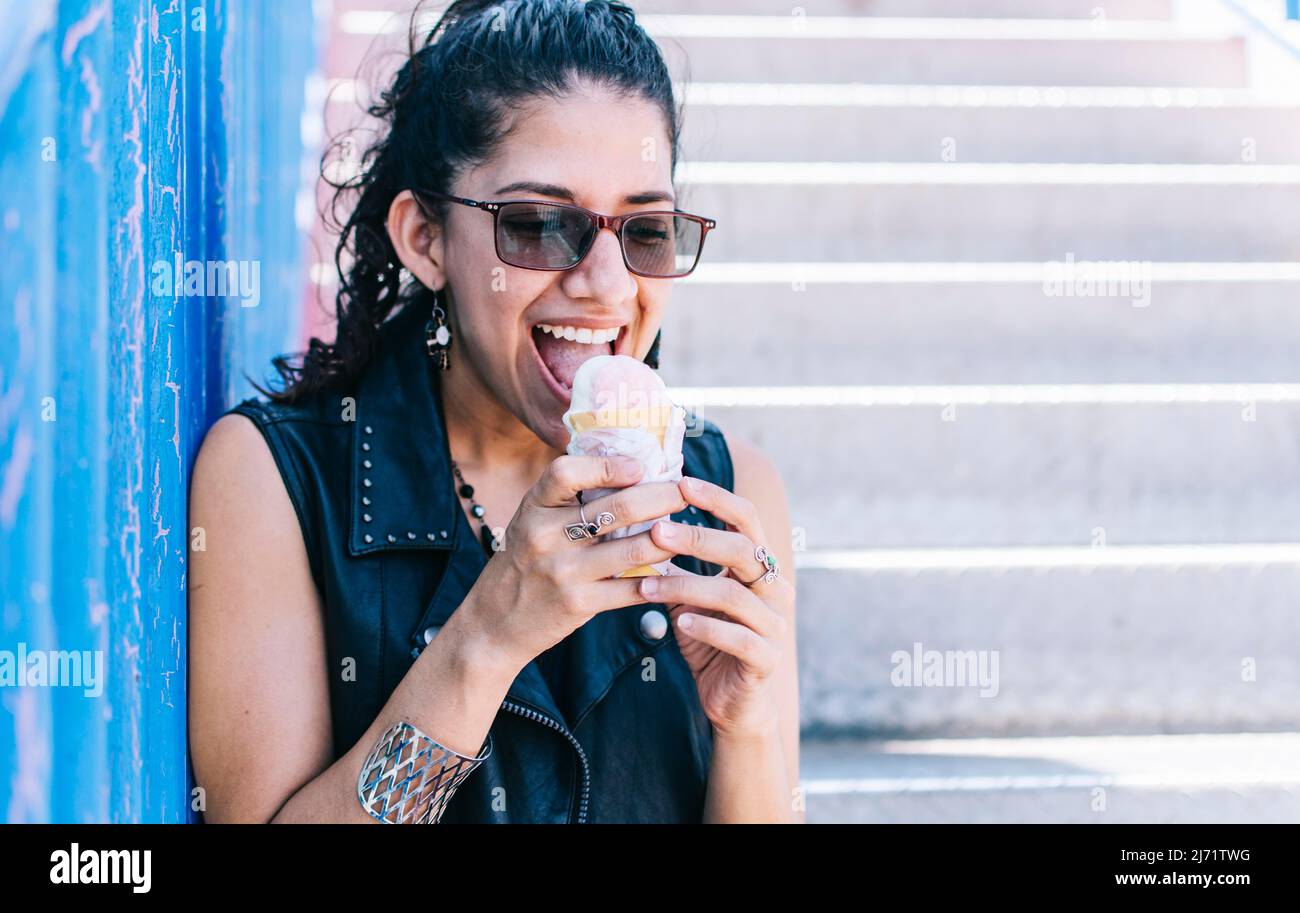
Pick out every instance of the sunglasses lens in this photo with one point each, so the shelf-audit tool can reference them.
(664, 245)
(551, 236)
(542, 236)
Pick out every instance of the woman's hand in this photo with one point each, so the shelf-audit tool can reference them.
(732, 627)
(542, 585)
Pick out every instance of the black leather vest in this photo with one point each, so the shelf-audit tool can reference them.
(393, 555)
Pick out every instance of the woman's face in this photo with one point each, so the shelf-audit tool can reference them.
(597, 150)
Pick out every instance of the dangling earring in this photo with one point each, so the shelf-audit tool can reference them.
(437, 334)
(652, 357)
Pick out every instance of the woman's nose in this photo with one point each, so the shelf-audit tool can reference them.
(602, 274)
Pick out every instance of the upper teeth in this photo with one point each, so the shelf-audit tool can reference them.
(581, 334)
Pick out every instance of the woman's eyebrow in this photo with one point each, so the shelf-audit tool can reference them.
(564, 193)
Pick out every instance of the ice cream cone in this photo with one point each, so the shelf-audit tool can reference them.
(643, 570)
(661, 419)
(620, 407)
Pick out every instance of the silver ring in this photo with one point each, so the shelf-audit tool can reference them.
(585, 529)
(770, 570)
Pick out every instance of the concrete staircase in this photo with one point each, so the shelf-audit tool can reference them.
(1094, 496)
(1092, 499)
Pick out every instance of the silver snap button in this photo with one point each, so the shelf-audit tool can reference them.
(365, 446)
(369, 538)
(429, 633)
(410, 535)
(369, 430)
(654, 625)
(365, 482)
(366, 517)
(392, 538)
(367, 464)
(365, 501)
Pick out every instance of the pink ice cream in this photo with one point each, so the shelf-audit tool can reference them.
(621, 407)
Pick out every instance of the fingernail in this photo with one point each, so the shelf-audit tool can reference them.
(649, 586)
(691, 484)
(685, 621)
(666, 529)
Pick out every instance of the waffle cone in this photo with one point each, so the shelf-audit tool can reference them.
(582, 422)
(643, 570)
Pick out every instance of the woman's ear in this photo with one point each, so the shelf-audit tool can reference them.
(417, 240)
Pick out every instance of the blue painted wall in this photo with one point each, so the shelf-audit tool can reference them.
(132, 132)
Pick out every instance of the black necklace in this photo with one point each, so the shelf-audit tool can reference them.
(466, 491)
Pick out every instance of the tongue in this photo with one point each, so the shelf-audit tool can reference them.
(563, 357)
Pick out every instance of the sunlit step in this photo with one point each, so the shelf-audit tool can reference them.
(953, 324)
(914, 50)
(808, 23)
(1147, 644)
(954, 51)
(994, 124)
(1156, 779)
(864, 212)
(995, 9)
(966, 466)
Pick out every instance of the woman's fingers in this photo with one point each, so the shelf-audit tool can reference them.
(636, 504)
(614, 556)
(732, 550)
(725, 505)
(616, 593)
(721, 594)
(567, 475)
(758, 653)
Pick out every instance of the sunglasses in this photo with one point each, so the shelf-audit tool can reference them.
(534, 234)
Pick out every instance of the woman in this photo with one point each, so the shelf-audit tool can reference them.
(367, 642)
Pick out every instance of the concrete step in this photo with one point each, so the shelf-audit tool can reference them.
(780, 211)
(945, 9)
(938, 51)
(873, 123)
(949, 9)
(785, 48)
(1076, 642)
(754, 122)
(1025, 465)
(1220, 779)
(957, 323)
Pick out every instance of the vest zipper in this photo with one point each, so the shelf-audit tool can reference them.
(529, 713)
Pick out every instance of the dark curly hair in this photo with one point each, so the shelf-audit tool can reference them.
(446, 111)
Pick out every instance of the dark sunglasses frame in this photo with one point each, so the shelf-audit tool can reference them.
(599, 220)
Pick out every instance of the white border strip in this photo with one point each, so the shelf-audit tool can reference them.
(900, 28)
(1191, 761)
(988, 173)
(377, 22)
(1191, 780)
(868, 95)
(920, 272)
(927, 272)
(986, 395)
(865, 95)
(1251, 554)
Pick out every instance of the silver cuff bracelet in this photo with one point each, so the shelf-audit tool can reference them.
(409, 778)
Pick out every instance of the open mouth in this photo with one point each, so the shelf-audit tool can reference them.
(562, 349)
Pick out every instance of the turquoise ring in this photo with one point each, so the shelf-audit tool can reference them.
(770, 570)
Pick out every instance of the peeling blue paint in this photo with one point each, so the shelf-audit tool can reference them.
(133, 131)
